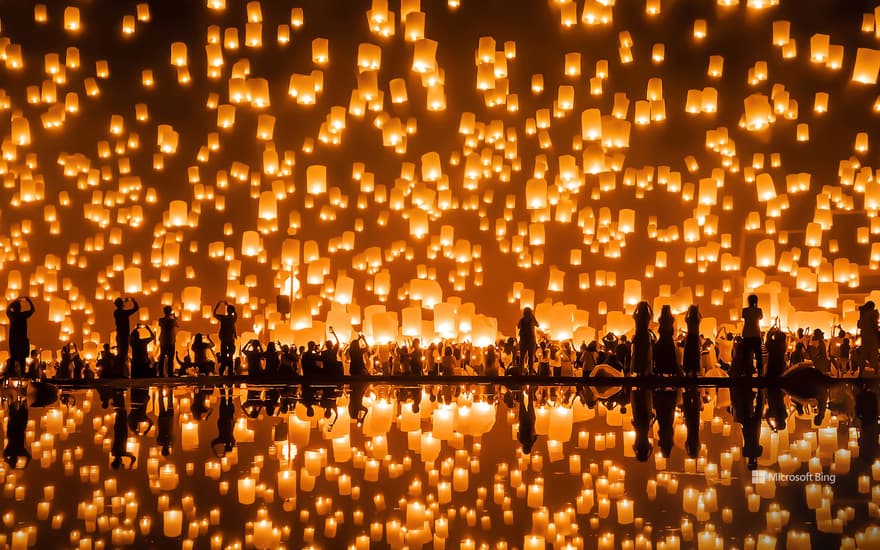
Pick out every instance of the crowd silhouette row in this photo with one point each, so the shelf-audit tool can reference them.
(668, 351)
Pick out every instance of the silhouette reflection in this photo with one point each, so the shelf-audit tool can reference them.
(323, 451)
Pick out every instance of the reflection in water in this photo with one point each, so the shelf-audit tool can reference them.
(448, 466)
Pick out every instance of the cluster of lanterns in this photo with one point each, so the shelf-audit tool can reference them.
(530, 165)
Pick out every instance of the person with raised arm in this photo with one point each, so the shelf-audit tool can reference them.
(125, 308)
(357, 365)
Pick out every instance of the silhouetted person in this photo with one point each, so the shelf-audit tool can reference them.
(777, 411)
(692, 404)
(416, 361)
(106, 362)
(273, 360)
(118, 448)
(200, 406)
(665, 401)
(692, 345)
(866, 412)
(253, 404)
(165, 421)
(330, 357)
(807, 383)
(35, 367)
(356, 409)
(641, 361)
(751, 335)
(748, 406)
(309, 359)
(253, 351)
(844, 364)
(122, 318)
(168, 327)
(78, 366)
(665, 361)
(288, 366)
(868, 327)
(225, 313)
(528, 340)
(526, 433)
(798, 355)
(776, 346)
(642, 404)
(65, 365)
(16, 448)
(201, 347)
(225, 440)
(357, 366)
(137, 414)
(19, 343)
(141, 364)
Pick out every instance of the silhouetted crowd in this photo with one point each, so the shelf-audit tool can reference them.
(669, 350)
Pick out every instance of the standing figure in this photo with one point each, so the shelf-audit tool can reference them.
(692, 344)
(273, 359)
(118, 448)
(122, 318)
(168, 326)
(227, 317)
(357, 366)
(641, 362)
(309, 361)
(165, 435)
(751, 335)
(141, 364)
(692, 404)
(107, 364)
(748, 411)
(868, 320)
(225, 423)
(416, 364)
(19, 344)
(330, 357)
(665, 360)
(641, 400)
(526, 433)
(253, 351)
(528, 340)
(16, 448)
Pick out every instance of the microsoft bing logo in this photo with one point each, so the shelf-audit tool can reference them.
(764, 476)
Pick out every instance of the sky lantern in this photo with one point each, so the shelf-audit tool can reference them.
(72, 19)
(320, 51)
(316, 179)
(819, 47)
(758, 112)
(867, 66)
(179, 57)
(425, 56)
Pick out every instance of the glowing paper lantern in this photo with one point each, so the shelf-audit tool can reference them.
(867, 66)
(316, 179)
